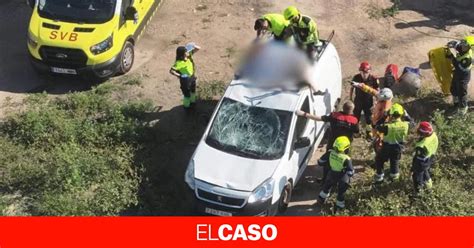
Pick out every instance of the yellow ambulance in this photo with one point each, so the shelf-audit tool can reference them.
(92, 38)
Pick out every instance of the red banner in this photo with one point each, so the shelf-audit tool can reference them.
(236, 232)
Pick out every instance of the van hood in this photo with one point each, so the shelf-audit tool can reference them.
(72, 35)
(230, 171)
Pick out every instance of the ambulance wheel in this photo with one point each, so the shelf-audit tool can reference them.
(127, 57)
(285, 198)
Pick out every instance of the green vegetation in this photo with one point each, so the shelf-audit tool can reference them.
(72, 155)
(452, 179)
(210, 90)
(87, 154)
(376, 12)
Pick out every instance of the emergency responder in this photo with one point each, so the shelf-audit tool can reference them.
(364, 100)
(340, 172)
(276, 24)
(184, 69)
(462, 63)
(380, 114)
(425, 150)
(342, 123)
(395, 133)
(304, 30)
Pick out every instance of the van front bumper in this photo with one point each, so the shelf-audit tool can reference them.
(264, 208)
(103, 70)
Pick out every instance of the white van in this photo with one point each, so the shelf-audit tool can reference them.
(256, 148)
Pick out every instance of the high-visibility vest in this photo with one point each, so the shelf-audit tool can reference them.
(308, 28)
(336, 160)
(397, 132)
(430, 144)
(184, 66)
(459, 58)
(278, 23)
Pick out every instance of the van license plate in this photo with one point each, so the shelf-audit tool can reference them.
(63, 70)
(217, 212)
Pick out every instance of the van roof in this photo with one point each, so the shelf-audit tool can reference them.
(246, 93)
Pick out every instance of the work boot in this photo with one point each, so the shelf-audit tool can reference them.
(429, 184)
(186, 102)
(340, 204)
(378, 178)
(394, 176)
(463, 110)
(455, 102)
(322, 196)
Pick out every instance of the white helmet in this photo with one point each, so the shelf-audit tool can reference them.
(385, 94)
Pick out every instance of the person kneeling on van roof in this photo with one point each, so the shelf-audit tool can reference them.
(184, 69)
(304, 29)
(425, 150)
(395, 133)
(340, 172)
(276, 24)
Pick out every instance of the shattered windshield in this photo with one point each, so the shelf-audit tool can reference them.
(81, 11)
(249, 131)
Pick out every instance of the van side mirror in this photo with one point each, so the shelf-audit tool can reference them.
(302, 142)
(131, 14)
(31, 3)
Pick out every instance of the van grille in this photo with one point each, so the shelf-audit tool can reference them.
(63, 57)
(220, 199)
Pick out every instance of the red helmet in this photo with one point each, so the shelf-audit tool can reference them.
(425, 128)
(365, 66)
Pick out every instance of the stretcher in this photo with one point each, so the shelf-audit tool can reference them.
(442, 67)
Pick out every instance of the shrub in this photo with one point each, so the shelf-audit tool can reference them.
(210, 90)
(452, 173)
(73, 155)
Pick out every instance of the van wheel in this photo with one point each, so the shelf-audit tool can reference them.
(285, 198)
(127, 57)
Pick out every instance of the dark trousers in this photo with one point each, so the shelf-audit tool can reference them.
(459, 87)
(363, 107)
(188, 86)
(311, 49)
(388, 152)
(339, 179)
(421, 172)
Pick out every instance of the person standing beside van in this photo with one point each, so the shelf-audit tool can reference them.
(184, 69)
(341, 170)
(425, 150)
(395, 134)
(462, 63)
(363, 100)
(342, 123)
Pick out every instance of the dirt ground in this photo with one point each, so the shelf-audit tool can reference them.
(223, 29)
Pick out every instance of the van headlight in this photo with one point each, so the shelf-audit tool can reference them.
(103, 46)
(262, 192)
(189, 175)
(32, 40)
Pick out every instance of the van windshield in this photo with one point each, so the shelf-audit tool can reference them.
(249, 131)
(80, 11)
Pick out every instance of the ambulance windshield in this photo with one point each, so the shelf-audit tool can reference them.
(77, 11)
